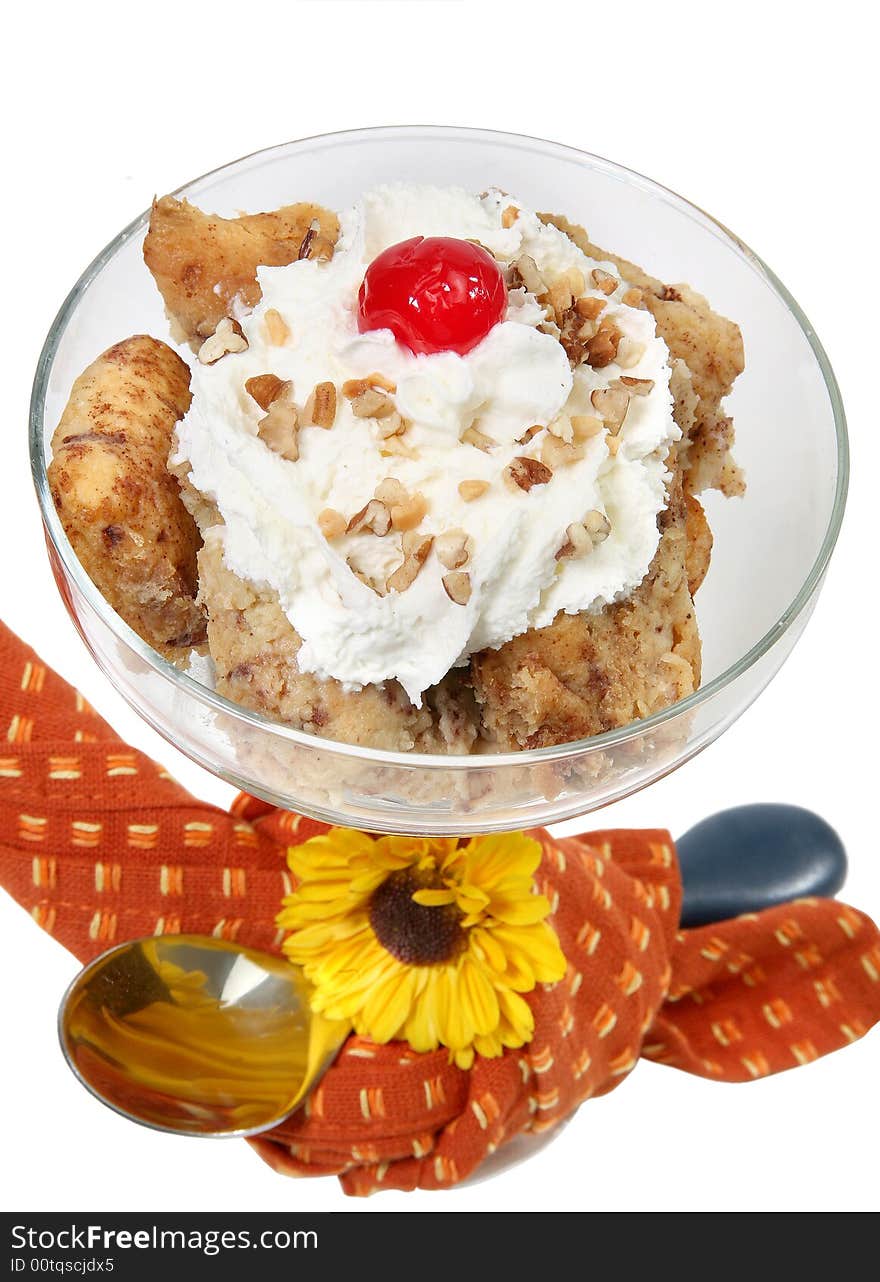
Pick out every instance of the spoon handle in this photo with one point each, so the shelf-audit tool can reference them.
(752, 857)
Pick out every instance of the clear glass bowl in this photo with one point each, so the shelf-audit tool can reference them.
(771, 548)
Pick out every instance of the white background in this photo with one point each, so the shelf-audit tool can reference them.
(759, 114)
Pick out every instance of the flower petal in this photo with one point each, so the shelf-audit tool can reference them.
(490, 947)
(533, 949)
(355, 954)
(519, 972)
(476, 990)
(490, 1047)
(464, 1058)
(500, 855)
(388, 1005)
(470, 898)
(429, 898)
(335, 847)
(428, 1017)
(548, 959)
(457, 1030)
(518, 1022)
(325, 888)
(396, 852)
(364, 883)
(520, 912)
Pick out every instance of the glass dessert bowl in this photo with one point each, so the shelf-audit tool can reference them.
(771, 547)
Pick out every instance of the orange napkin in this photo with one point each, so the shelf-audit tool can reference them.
(100, 845)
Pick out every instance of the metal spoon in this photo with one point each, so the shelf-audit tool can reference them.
(191, 1034)
(198, 1036)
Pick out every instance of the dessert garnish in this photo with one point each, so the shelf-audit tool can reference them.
(435, 294)
(429, 941)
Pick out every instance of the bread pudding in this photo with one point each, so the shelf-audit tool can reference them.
(423, 475)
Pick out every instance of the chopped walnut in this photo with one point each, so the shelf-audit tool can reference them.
(266, 388)
(407, 514)
(373, 518)
(306, 242)
(575, 281)
(277, 328)
(636, 386)
(582, 536)
(509, 216)
(612, 404)
(396, 447)
(280, 426)
(560, 295)
(527, 270)
(393, 424)
(529, 433)
(633, 298)
(470, 490)
(562, 427)
(391, 491)
(574, 335)
(597, 525)
(629, 352)
(577, 542)
(315, 246)
(320, 408)
(604, 281)
(550, 327)
(525, 473)
(453, 548)
(589, 308)
(415, 555)
(226, 339)
(565, 291)
(556, 453)
(356, 386)
(331, 523)
(585, 426)
(412, 540)
(457, 586)
(479, 440)
(601, 349)
(372, 403)
(368, 581)
(581, 333)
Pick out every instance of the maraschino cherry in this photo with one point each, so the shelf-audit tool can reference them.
(435, 294)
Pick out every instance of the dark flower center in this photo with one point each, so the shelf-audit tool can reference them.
(413, 933)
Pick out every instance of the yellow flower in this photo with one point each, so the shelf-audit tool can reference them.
(423, 940)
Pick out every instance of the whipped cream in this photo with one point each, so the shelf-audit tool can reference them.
(517, 377)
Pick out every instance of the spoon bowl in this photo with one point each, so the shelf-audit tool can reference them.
(195, 1035)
